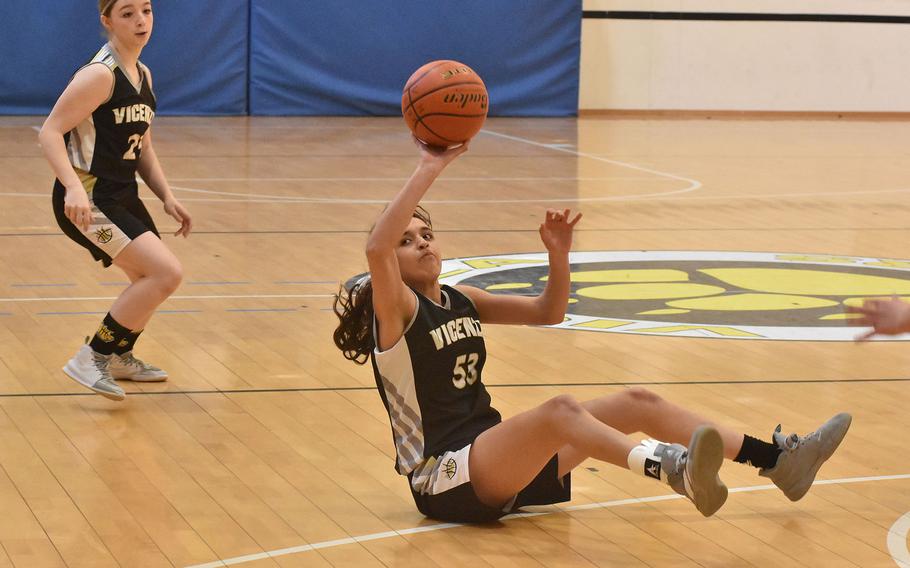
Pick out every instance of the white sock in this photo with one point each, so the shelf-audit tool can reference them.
(645, 459)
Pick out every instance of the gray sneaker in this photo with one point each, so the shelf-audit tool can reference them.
(802, 456)
(129, 368)
(90, 369)
(693, 472)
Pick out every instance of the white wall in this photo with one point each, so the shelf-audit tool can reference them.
(761, 66)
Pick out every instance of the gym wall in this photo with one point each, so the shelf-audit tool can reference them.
(730, 65)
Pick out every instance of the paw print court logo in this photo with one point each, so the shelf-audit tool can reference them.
(731, 295)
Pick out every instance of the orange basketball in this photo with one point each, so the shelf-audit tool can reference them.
(444, 103)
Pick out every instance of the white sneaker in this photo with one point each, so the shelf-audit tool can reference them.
(128, 368)
(90, 369)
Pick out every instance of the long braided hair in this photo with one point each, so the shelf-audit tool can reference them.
(354, 307)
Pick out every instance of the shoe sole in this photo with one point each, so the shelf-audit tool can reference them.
(153, 380)
(813, 471)
(109, 395)
(706, 455)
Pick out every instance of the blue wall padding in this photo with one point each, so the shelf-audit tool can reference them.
(352, 57)
(304, 57)
(197, 53)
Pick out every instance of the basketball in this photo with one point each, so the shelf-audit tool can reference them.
(444, 103)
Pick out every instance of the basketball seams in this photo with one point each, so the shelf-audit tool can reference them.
(419, 118)
(427, 72)
(413, 108)
(433, 132)
(419, 121)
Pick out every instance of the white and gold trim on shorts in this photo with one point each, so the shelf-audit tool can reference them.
(102, 232)
(439, 474)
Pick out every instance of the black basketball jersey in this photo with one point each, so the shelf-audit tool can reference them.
(108, 143)
(430, 381)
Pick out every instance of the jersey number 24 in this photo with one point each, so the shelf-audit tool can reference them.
(135, 144)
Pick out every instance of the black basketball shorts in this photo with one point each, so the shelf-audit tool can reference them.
(442, 490)
(118, 217)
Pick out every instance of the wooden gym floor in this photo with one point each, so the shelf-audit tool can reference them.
(267, 448)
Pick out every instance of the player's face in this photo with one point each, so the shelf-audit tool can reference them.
(130, 23)
(418, 256)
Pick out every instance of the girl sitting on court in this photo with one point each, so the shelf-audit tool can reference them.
(464, 463)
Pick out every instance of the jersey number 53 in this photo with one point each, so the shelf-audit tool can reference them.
(465, 372)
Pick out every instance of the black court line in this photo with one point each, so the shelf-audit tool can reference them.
(508, 385)
(309, 156)
(629, 230)
(742, 17)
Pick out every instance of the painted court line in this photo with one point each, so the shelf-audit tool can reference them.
(264, 198)
(70, 313)
(693, 183)
(44, 285)
(219, 283)
(901, 525)
(211, 297)
(178, 311)
(403, 179)
(897, 541)
(261, 310)
(249, 198)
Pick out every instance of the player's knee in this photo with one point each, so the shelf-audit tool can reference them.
(642, 397)
(562, 407)
(169, 278)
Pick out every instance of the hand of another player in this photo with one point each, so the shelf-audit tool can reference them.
(436, 156)
(886, 317)
(556, 230)
(173, 208)
(77, 208)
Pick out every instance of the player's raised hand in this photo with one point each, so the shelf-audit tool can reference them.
(437, 156)
(556, 230)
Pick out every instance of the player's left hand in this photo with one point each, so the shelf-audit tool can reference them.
(556, 230)
(173, 208)
(886, 317)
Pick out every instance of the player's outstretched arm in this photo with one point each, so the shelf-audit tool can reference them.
(550, 306)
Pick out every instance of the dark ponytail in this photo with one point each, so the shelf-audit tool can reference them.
(354, 307)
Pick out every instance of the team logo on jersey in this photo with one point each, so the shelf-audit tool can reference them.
(104, 235)
(450, 467)
(732, 295)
